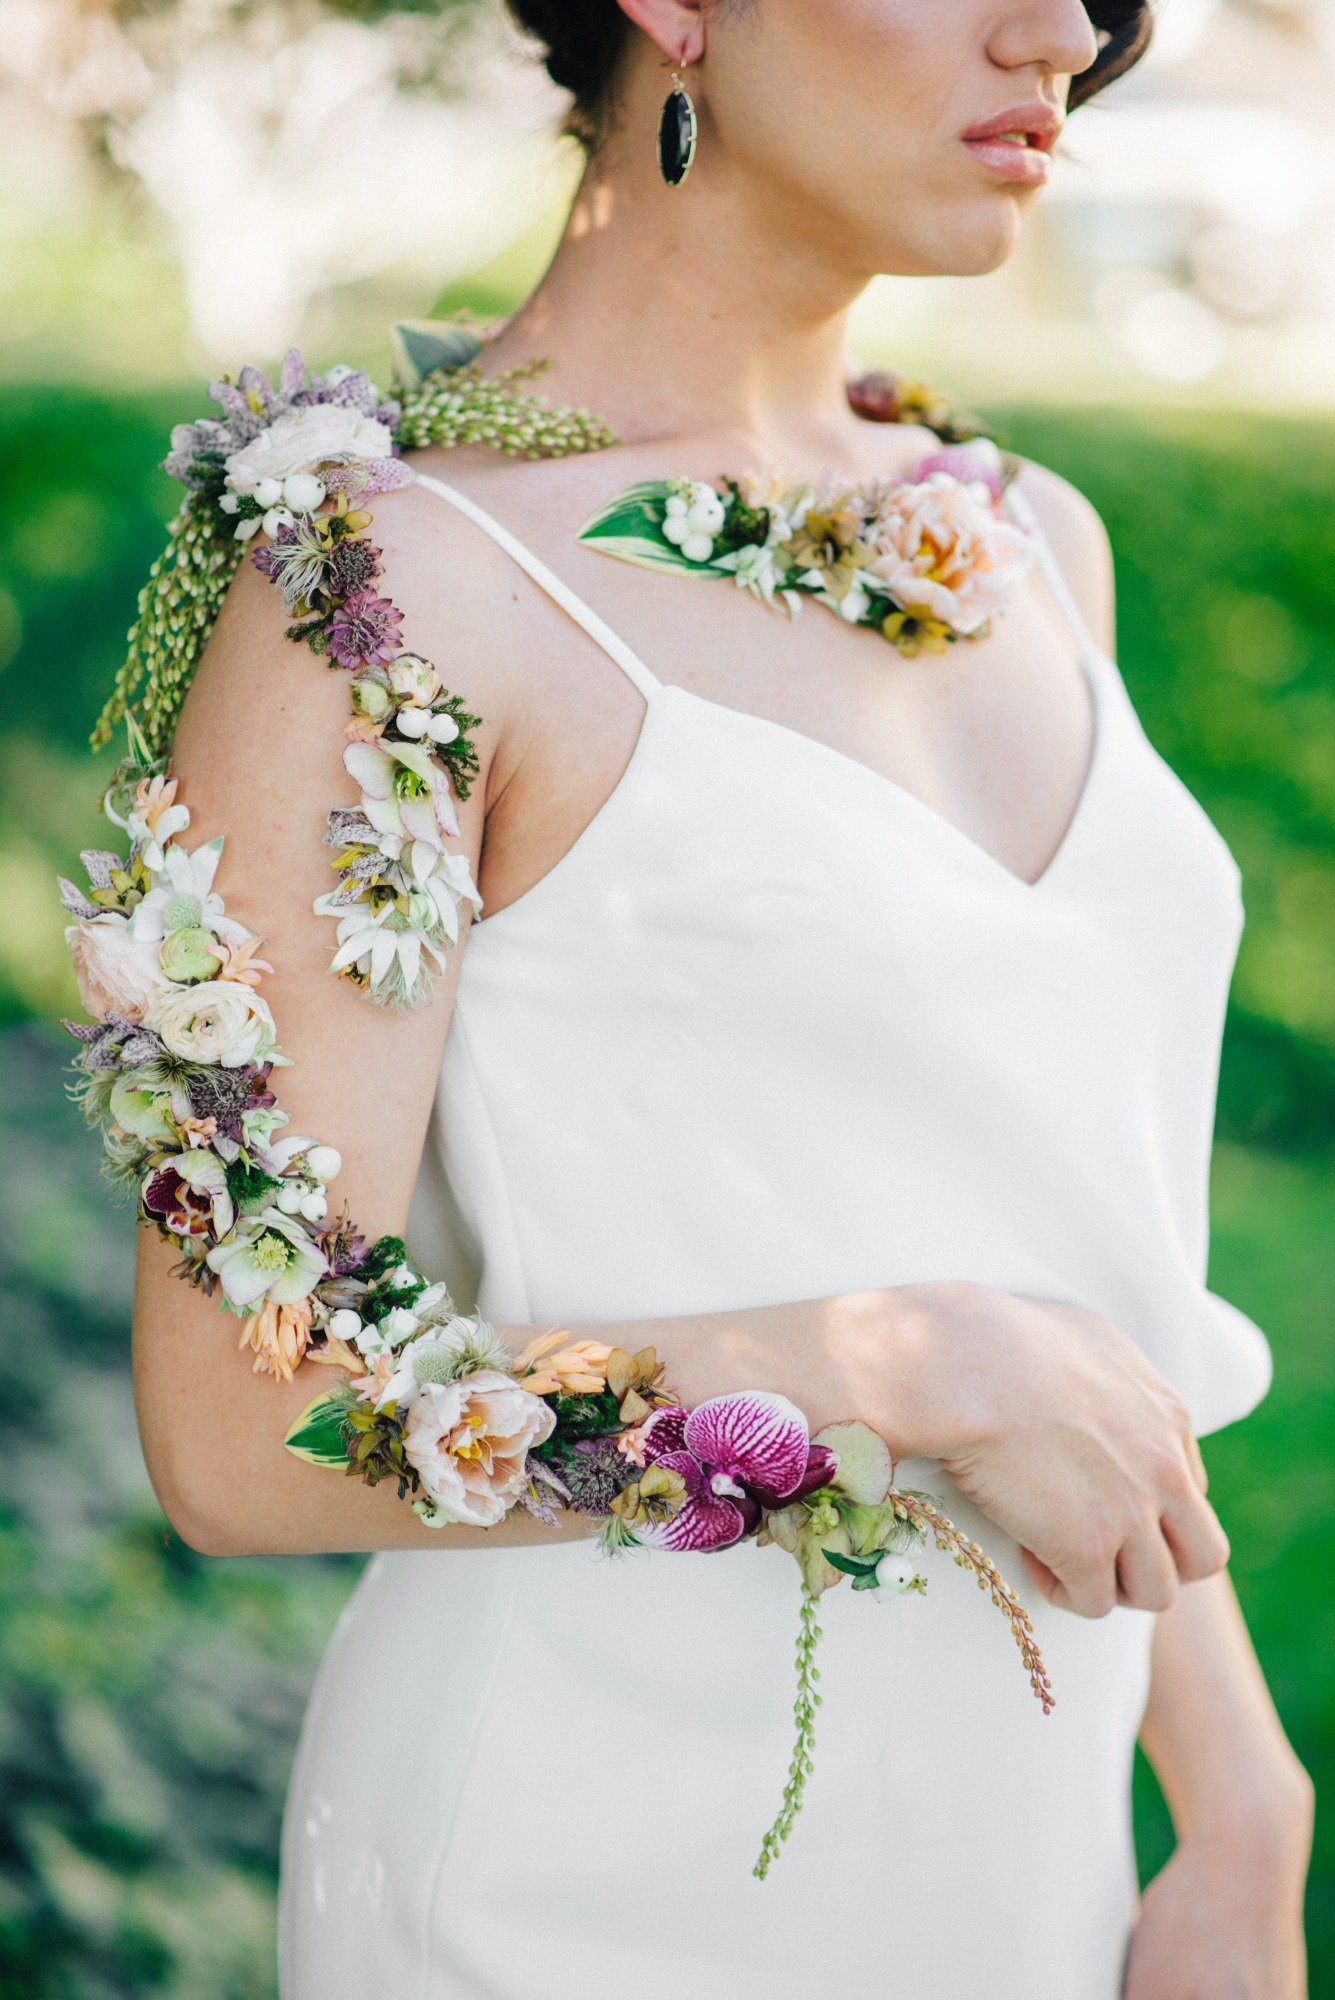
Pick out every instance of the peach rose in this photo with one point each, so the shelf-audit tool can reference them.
(468, 1442)
(940, 548)
(117, 972)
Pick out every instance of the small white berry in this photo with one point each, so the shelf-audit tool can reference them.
(303, 492)
(267, 492)
(324, 1162)
(289, 1198)
(314, 1206)
(675, 528)
(442, 728)
(412, 722)
(276, 518)
(345, 1324)
(697, 548)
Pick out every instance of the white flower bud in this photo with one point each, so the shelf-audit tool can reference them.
(442, 728)
(397, 1324)
(324, 1162)
(314, 1206)
(267, 492)
(303, 492)
(412, 722)
(276, 518)
(402, 1274)
(289, 1198)
(245, 529)
(228, 502)
(345, 1324)
(697, 548)
(853, 604)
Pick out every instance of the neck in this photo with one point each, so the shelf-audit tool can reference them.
(676, 312)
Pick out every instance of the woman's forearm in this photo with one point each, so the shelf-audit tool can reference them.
(1211, 1732)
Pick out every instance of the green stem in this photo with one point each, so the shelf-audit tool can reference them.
(804, 1711)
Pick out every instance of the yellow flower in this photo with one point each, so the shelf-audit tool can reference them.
(651, 1499)
(915, 631)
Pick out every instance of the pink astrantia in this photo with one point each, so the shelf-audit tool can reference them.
(977, 463)
(736, 1455)
(364, 630)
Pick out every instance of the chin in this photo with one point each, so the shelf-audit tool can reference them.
(967, 245)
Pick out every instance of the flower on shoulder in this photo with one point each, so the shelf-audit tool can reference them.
(268, 1258)
(469, 1441)
(301, 441)
(363, 630)
(279, 1337)
(118, 971)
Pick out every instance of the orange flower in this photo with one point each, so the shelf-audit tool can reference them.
(631, 1445)
(279, 1336)
(152, 798)
(239, 964)
(577, 1369)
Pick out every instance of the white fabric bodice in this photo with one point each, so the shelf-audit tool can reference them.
(773, 1028)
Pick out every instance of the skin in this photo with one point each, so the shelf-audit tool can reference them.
(706, 323)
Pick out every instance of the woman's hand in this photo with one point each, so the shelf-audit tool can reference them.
(1218, 1923)
(1056, 1425)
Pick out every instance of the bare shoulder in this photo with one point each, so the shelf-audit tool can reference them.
(1079, 539)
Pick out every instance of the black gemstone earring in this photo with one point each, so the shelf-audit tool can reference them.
(677, 132)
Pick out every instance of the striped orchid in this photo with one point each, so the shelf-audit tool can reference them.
(735, 1455)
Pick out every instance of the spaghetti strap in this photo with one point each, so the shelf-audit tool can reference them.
(1052, 570)
(561, 593)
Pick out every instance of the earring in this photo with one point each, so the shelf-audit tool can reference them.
(677, 132)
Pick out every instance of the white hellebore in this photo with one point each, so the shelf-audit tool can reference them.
(692, 519)
(404, 790)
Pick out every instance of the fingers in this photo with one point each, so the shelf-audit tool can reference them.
(1198, 1543)
(1147, 1575)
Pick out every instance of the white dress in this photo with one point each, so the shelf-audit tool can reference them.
(774, 1029)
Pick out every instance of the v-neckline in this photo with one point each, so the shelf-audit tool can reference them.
(1093, 668)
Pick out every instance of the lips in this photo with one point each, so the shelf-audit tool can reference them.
(1017, 143)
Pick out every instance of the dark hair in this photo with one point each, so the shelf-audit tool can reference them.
(582, 43)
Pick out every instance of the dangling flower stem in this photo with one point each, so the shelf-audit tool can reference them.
(804, 1710)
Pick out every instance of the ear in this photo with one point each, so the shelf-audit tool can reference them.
(677, 27)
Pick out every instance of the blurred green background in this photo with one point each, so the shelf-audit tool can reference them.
(153, 1696)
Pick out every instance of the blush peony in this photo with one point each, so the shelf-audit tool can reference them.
(117, 972)
(468, 1442)
(940, 548)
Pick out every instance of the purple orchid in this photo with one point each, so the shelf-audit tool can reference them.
(736, 1455)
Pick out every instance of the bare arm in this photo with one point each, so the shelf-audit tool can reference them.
(1225, 1915)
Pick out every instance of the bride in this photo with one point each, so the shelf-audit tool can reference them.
(839, 1016)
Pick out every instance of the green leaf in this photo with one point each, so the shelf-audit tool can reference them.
(851, 1565)
(421, 346)
(318, 1434)
(631, 526)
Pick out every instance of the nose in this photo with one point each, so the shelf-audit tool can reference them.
(1058, 35)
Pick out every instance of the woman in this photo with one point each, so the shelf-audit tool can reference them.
(841, 1021)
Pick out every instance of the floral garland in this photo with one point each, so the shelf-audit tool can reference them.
(923, 560)
(177, 1060)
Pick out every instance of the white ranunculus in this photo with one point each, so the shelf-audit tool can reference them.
(302, 440)
(218, 1021)
(117, 972)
